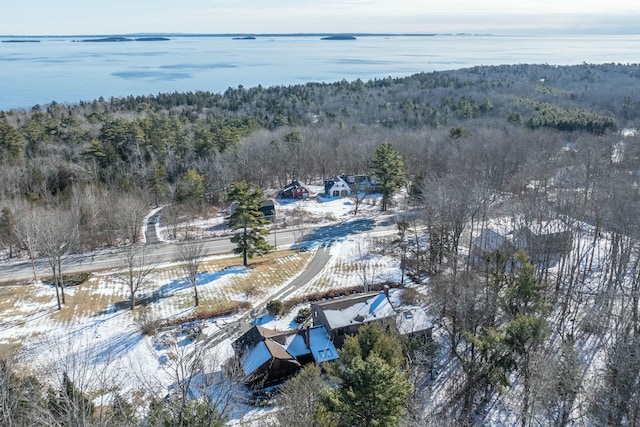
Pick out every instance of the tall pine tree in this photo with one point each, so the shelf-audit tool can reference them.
(249, 220)
(388, 167)
(372, 390)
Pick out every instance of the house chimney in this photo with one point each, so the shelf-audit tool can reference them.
(307, 337)
(385, 288)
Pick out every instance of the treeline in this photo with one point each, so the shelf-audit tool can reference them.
(187, 148)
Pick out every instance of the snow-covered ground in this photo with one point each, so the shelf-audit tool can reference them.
(101, 345)
(290, 213)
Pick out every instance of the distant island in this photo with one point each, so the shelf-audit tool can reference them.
(108, 39)
(244, 38)
(21, 41)
(152, 39)
(338, 37)
(126, 39)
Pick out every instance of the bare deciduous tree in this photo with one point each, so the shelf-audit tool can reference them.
(58, 234)
(137, 272)
(132, 211)
(190, 256)
(204, 389)
(27, 229)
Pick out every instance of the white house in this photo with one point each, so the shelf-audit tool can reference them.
(336, 187)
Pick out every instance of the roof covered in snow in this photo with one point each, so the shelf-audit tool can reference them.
(256, 357)
(321, 345)
(413, 320)
(259, 345)
(489, 240)
(356, 309)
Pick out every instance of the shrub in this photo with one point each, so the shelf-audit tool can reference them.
(410, 296)
(274, 306)
(303, 315)
(147, 323)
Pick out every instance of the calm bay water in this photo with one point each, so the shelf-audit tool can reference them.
(59, 69)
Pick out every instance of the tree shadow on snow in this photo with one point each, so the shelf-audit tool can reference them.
(178, 284)
(335, 232)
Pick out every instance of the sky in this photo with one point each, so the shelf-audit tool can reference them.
(83, 17)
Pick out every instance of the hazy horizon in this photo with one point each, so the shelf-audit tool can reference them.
(499, 17)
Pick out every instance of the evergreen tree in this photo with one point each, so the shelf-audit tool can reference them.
(158, 183)
(372, 390)
(388, 167)
(372, 339)
(371, 393)
(69, 405)
(11, 141)
(300, 399)
(190, 189)
(8, 229)
(527, 330)
(247, 217)
(525, 295)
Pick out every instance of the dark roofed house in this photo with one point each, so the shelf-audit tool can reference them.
(487, 243)
(268, 208)
(362, 183)
(344, 316)
(544, 242)
(268, 357)
(294, 191)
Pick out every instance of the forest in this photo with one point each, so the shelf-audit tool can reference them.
(488, 146)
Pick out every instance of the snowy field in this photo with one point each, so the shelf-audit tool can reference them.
(99, 343)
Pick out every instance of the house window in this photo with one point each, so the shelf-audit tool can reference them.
(336, 193)
(324, 354)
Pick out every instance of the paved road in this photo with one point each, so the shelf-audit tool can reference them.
(20, 272)
(151, 234)
(16, 272)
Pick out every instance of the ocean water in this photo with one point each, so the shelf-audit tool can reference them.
(66, 71)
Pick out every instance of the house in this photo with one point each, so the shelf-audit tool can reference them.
(487, 243)
(336, 187)
(268, 208)
(414, 322)
(268, 357)
(544, 241)
(294, 191)
(344, 316)
(362, 183)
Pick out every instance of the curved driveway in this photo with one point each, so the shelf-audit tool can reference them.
(243, 324)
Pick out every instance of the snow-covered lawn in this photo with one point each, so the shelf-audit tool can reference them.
(99, 343)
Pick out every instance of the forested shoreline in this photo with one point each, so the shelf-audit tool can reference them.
(530, 143)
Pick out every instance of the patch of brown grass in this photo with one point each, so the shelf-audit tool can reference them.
(9, 349)
(14, 299)
(84, 300)
(269, 272)
(223, 308)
